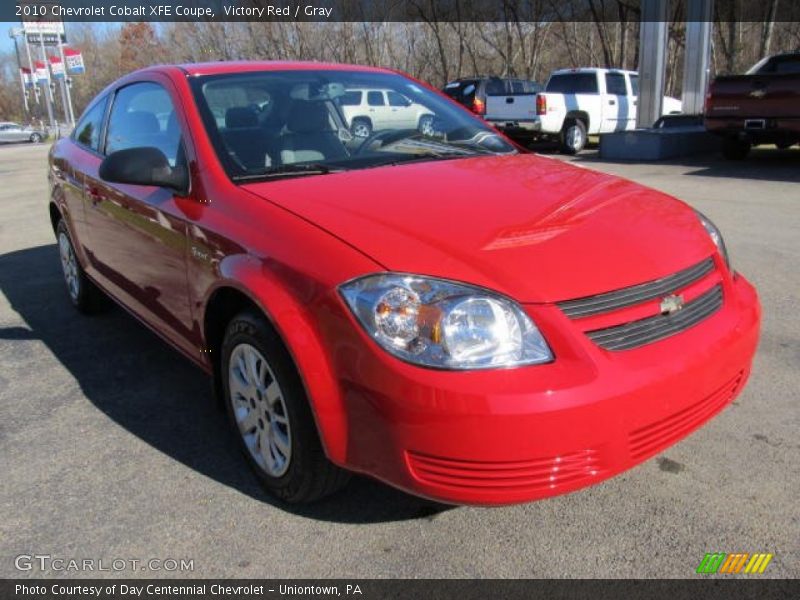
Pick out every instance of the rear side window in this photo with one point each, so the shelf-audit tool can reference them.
(573, 83)
(788, 65)
(351, 99)
(375, 99)
(495, 87)
(462, 91)
(615, 84)
(635, 85)
(87, 132)
(143, 115)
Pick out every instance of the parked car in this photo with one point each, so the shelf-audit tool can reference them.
(457, 318)
(760, 107)
(14, 132)
(472, 92)
(368, 110)
(575, 103)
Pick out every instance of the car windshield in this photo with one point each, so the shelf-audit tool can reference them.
(271, 124)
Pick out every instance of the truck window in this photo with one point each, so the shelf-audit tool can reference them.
(615, 84)
(573, 83)
(495, 87)
(634, 84)
(789, 64)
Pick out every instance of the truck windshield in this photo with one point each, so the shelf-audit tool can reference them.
(262, 122)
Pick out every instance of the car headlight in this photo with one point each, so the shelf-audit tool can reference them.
(716, 237)
(437, 323)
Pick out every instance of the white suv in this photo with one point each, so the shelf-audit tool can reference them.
(368, 110)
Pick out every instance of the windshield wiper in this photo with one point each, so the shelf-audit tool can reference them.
(423, 156)
(290, 170)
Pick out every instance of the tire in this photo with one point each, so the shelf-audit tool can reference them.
(573, 136)
(735, 149)
(425, 125)
(270, 415)
(36, 138)
(361, 128)
(82, 292)
(784, 145)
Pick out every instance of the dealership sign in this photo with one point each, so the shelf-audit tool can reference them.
(41, 72)
(57, 67)
(51, 33)
(74, 60)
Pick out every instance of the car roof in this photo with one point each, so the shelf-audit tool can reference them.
(249, 66)
(591, 70)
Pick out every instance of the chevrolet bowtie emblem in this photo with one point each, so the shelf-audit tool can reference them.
(671, 304)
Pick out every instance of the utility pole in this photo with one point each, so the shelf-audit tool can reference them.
(12, 33)
(49, 91)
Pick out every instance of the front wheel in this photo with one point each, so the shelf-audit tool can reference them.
(36, 138)
(361, 128)
(269, 411)
(573, 136)
(425, 126)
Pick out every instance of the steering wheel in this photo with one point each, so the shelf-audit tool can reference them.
(384, 137)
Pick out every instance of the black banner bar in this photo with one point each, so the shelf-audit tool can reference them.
(373, 10)
(733, 588)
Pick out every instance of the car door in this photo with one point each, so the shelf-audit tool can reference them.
(70, 162)
(614, 102)
(377, 110)
(138, 234)
(403, 113)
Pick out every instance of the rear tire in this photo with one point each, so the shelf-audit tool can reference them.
(573, 136)
(270, 414)
(82, 292)
(425, 126)
(735, 149)
(36, 138)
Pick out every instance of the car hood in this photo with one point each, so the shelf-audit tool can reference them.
(534, 228)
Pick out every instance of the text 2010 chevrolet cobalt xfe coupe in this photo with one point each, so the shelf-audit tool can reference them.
(425, 303)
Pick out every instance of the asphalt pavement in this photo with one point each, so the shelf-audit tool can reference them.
(112, 448)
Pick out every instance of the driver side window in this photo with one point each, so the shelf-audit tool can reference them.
(398, 100)
(143, 115)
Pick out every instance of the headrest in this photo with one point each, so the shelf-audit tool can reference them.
(240, 116)
(140, 122)
(307, 117)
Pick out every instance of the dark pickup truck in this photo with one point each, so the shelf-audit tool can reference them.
(760, 107)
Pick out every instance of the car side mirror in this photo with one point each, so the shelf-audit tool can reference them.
(144, 166)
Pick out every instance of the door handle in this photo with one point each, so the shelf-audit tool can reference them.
(612, 102)
(509, 101)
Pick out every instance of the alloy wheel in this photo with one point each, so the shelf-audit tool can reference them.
(69, 264)
(259, 410)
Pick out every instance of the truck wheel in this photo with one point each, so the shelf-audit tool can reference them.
(735, 149)
(269, 411)
(361, 128)
(573, 136)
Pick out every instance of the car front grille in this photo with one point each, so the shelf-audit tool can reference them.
(619, 320)
(611, 301)
(651, 329)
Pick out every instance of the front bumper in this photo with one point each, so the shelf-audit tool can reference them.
(515, 435)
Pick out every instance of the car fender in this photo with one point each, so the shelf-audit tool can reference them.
(292, 322)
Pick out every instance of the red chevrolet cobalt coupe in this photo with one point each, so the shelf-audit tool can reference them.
(426, 303)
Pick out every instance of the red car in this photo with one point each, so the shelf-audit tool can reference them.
(428, 305)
